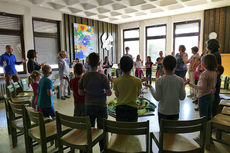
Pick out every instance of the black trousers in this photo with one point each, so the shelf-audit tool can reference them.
(126, 113)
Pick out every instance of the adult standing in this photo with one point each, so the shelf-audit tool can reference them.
(8, 61)
(192, 67)
(32, 61)
(107, 65)
(127, 52)
(181, 59)
(213, 47)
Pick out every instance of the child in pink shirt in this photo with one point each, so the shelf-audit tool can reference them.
(34, 81)
(206, 85)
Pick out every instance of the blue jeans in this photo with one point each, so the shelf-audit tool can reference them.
(181, 73)
(205, 106)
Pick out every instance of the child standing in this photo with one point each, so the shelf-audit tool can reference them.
(34, 81)
(86, 64)
(45, 93)
(139, 64)
(169, 90)
(79, 101)
(127, 89)
(149, 65)
(63, 64)
(206, 84)
(95, 87)
(159, 62)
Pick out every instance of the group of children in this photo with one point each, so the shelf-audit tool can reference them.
(91, 88)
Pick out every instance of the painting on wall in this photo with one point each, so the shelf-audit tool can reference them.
(84, 40)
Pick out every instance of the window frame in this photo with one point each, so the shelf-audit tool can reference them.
(46, 34)
(13, 32)
(154, 37)
(130, 39)
(186, 34)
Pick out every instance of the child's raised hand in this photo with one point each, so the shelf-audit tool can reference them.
(65, 77)
(147, 85)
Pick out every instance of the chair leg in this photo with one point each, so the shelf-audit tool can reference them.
(208, 136)
(44, 147)
(14, 136)
(60, 148)
(90, 150)
(8, 126)
(72, 150)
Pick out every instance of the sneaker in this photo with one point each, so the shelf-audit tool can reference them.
(67, 96)
(62, 98)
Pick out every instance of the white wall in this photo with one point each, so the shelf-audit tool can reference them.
(156, 21)
(28, 13)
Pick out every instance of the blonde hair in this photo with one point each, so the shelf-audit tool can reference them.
(33, 76)
(46, 69)
(60, 53)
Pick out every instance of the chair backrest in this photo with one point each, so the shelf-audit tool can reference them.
(17, 86)
(82, 123)
(17, 108)
(11, 92)
(128, 128)
(186, 126)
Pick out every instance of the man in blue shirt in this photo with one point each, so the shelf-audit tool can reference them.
(8, 61)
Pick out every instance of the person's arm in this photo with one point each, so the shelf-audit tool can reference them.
(185, 58)
(139, 88)
(49, 88)
(1, 61)
(81, 87)
(115, 89)
(107, 87)
(182, 92)
(202, 83)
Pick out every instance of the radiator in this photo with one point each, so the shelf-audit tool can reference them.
(2, 88)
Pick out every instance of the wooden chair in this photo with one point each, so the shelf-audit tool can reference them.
(81, 137)
(16, 121)
(226, 111)
(173, 136)
(6, 100)
(43, 133)
(223, 103)
(22, 93)
(222, 124)
(13, 97)
(124, 136)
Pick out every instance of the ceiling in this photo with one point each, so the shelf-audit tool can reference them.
(123, 11)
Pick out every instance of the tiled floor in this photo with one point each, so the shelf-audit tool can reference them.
(186, 112)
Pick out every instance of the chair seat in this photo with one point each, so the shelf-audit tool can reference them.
(50, 128)
(222, 120)
(78, 137)
(225, 103)
(226, 111)
(125, 143)
(18, 124)
(177, 142)
(21, 99)
(25, 94)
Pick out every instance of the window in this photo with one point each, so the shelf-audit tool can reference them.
(188, 34)
(131, 40)
(155, 40)
(11, 33)
(47, 41)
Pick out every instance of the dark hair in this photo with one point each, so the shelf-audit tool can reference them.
(210, 62)
(78, 69)
(149, 57)
(126, 64)
(213, 45)
(126, 48)
(7, 46)
(195, 49)
(31, 53)
(76, 58)
(182, 47)
(220, 69)
(93, 59)
(169, 63)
